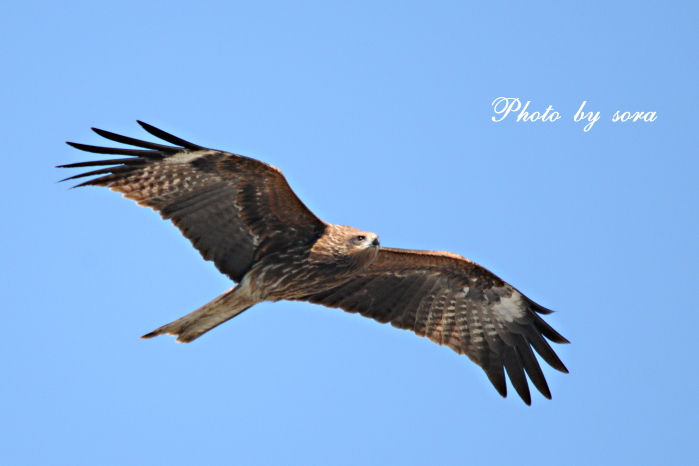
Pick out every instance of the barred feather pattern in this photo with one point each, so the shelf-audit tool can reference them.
(235, 210)
(459, 304)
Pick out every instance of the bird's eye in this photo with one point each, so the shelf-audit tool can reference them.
(360, 238)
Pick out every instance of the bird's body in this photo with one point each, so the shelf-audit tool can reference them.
(292, 273)
(242, 214)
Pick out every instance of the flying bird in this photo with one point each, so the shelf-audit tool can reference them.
(242, 214)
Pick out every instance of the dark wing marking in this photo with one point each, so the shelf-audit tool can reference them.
(232, 208)
(457, 303)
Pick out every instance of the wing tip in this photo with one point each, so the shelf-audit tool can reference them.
(539, 308)
(167, 137)
(497, 378)
(101, 132)
(552, 334)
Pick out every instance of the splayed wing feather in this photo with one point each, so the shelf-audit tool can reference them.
(232, 208)
(159, 133)
(113, 151)
(457, 303)
(135, 142)
(513, 366)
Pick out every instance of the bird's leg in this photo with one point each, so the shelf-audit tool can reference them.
(195, 324)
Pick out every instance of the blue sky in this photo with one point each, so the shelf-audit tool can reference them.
(380, 116)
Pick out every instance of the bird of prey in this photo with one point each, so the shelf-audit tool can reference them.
(241, 214)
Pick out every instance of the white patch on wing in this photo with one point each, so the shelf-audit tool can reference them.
(510, 308)
(186, 157)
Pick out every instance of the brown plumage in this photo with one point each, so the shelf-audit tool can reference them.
(241, 214)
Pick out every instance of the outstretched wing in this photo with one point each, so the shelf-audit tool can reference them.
(457, 303)
(233, 209)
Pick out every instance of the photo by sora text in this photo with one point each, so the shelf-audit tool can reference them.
(503, 106)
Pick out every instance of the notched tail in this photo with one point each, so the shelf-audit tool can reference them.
(190, 327)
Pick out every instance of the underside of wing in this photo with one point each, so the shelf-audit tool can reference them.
(457, 303)
(232, 208)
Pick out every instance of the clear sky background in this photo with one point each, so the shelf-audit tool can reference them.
(379, 114)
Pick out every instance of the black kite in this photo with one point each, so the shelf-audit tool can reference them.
(241, 214)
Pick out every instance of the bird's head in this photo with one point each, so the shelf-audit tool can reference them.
(346, 246)
(361, 240)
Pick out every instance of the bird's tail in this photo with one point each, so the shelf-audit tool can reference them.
(195, 324)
